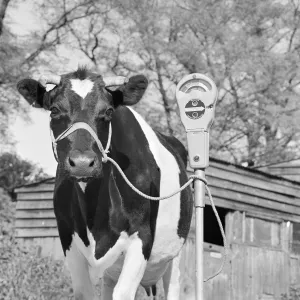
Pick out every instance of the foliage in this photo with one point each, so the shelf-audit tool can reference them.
(294, 294)
(12, 53)
(15, 171)
(27, 276)
(250, 49)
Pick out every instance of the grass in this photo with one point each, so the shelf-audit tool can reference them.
(23, 274)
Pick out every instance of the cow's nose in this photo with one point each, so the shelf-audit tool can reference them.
(82, 164)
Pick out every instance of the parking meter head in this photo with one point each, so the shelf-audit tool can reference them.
(196, 96)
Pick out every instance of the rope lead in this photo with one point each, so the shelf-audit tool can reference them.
(105, 158)
(191, 179)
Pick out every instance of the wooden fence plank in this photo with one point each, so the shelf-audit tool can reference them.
(286, 171)
(254, 182)
(35, 223)
(35, 214)
(253, 200)
(36, 232)
(254, 173)
(253, 210)
(37, 188)
(35, 196)
(251, 191)
(42, 204)
(252, 178)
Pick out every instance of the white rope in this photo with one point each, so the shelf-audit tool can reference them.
(105, 158)
(83, 125)
(222, 232)
(108, 139)
(191, 179)
(141, 193)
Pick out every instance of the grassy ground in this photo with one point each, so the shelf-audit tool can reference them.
(24, 275)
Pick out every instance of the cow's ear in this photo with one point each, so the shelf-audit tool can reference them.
(32, 91)
(131, 92)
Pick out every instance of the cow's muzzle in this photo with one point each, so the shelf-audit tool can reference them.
(83, 164)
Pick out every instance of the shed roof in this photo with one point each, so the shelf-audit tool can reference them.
(287, 169)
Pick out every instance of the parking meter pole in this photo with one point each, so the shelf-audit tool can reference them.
(196, 96)
(199, 194)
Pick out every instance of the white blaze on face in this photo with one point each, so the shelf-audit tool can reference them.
(167, 243)
(82, 185)
(50, 87)
(82, 87)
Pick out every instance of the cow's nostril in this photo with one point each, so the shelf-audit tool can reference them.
(71, 162)
(92, 163)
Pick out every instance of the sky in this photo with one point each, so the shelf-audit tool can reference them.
(33, 140)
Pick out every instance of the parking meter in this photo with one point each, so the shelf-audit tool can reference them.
(196, 96)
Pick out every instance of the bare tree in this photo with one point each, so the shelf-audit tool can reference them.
(3, 8)
(250, 48)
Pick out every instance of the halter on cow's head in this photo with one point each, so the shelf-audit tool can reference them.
(81, 96)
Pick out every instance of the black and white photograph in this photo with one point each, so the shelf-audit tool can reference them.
(150, 149)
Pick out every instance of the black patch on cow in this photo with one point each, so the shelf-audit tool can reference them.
(131, 150)
(32, 91)
(117, 219)
(153, 288)
(68, 212)
(131, 92)
(186, 202)
(91, 200)
(81, 73)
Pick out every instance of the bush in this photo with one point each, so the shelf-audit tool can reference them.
(15, 171)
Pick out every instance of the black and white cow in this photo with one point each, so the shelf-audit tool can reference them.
(106, 229)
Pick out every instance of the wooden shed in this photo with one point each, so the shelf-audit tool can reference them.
(261, 215)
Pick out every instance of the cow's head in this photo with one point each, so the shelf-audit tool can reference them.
(81, 96)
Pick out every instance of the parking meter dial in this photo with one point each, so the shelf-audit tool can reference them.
(196, 96)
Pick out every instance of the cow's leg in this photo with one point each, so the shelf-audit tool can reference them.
(81, 281)
(107, 288)
(132, 272)
(171, 280)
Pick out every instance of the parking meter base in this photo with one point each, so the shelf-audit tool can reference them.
(198, 145)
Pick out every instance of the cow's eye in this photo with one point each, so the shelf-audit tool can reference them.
(109, 112)
(54, 111)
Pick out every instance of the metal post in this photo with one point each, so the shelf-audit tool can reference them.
(199, 194)
(196, 96)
